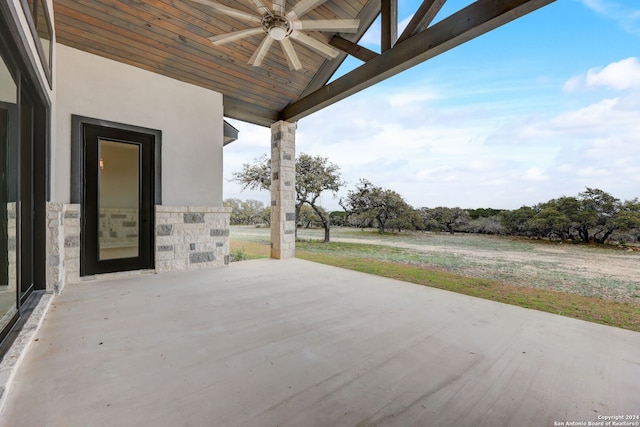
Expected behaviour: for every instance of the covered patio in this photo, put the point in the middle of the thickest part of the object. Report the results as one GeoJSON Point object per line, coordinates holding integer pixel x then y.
{"type": "Point", "coordinates": [294, 343]}
{"type": "Point", "coordinates": [171, 342]}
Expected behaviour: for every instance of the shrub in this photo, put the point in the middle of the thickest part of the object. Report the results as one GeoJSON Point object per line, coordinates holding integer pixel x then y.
{"type": "Point", "coordinates": [238, 255]}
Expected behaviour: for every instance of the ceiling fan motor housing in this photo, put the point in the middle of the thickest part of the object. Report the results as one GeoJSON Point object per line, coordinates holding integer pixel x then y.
{"type": "Point", "coordinates": [277, 26]}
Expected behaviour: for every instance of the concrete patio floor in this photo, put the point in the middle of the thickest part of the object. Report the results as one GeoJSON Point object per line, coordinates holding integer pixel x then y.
{"type": "Point", "coordinates": [293, 343]}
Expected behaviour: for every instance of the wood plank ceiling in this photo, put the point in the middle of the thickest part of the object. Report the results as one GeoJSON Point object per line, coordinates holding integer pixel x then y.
{"type": "Point", "coordinates": [170, 37]}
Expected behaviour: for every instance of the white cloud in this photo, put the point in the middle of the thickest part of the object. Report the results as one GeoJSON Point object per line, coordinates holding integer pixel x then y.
{"type": "Point", "coordinates": [599, 6]}
{"type": "Point", "coordinates": [464, 156]}
{"type": "Point", "coordinates": [535, 174]}
{"type": "Point", "coordinates": [253, 141]}
{"type": "Point", "coordinates": [621, 75]}
{"type": "Point", "coordinates": [627, 17]}
{"type": "Point", "coordinates": [403, 24]}
{"type": "Point", "coordinates": [407, 99]}
{"type": "Point", "coordinates": [437, 146]}
{"type": "Point", "coordinates": [594, 172]}
{"type": "Point", "coordinates": [371, 38]}
{"type": "Point", "coordinates": [574, 84]}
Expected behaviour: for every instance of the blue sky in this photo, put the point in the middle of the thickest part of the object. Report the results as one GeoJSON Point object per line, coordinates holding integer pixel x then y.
{"type": "Point", "coordinates": [540, 108]}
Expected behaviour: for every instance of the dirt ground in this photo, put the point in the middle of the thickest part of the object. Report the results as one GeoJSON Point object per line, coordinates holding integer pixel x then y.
{"type": "Point", "coordinates": [608, 273]}
{"type": "Point", "coordinates": [623, 265]}
{"type": "Point", "coordinates": [586, 270]}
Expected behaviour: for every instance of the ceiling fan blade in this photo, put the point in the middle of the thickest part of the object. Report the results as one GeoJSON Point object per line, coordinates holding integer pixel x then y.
{"type": "Point", "coordinates": [230, 11]}
{"type": "Point", "coordinates": [338, 25]}
{"type": "Point", "coordinates": [261, 51]}
{"type": "Point", "coordinates": [303, 7]}
{"type": "Point", "coordinates": [290, 53]}
{"type": "Point", "coordinates": [262, 8]}
{"type": "Point", "coordinates": [314, 44]}
{"type": "Point", "coordinates": [278, 6]}
{"type": "Point", "coordinates": [235, 35]}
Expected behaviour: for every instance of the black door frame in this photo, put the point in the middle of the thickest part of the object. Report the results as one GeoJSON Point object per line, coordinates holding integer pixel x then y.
{"type": "Point", "coordinates": [86, 132]}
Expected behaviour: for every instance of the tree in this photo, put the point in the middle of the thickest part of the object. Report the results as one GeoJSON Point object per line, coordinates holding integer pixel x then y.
{"type": "Point", "coordinates": [407, 219]}
{"type": "Point", "coordinates": [517, 222]}
{"type": "Point", "coordinates": [236, 208]}
{"type": "Point", "coordinates": [338, 218]}
{"type": "Point", "coordinates": [428, 222]}
{"type": "Point", "coordinates": [569, 207]}
{"type": "Point", "coordinates": [549, 222]}
{"type": "Point", "coordinates": [592, 217]}
{"type": "Point", "coordinates": [483, 213]}
{"type": "Point", "coordinates": [314, 175]}
{"type": "Point", "coordinates": [598, 212]}
{"type": "Point", "coordinates": [369, 201]}
{"type": "Point", "coordinates": [256, 175]}
{"type": "Point", "coordinates": [308, 218]}
{"type": "Point", "coordinates": [487, 225]}
{"type": "Point", "coordinates": [450, 219]}
{"type": "Point", "coordinates": [249, 212]}
{"type": "Point", "coordinates": [628, 219]}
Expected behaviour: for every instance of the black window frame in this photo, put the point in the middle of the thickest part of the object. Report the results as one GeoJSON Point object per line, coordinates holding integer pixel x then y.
{"type": "Point", "coordinates": [31, 10]}
{"type": "Point", "coordinates": [32, 94]}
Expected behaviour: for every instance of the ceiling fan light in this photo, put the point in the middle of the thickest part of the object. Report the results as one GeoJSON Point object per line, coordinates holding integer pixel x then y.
{"type": "Point", "coordinates": [277, 33]}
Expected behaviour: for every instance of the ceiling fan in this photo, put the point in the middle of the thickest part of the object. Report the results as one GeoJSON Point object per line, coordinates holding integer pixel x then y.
{"type": "Point", "coordinates": [279, 25]}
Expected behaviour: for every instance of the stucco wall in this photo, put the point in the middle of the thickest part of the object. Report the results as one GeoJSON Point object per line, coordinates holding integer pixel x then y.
{"type": "Point", "coordinates": [190, 118]}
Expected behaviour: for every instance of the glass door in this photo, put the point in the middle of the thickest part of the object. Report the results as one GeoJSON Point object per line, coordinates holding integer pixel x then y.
{"type": "Point", "coordinates": [27, 206]}
{"type": "Point", "coordinates": [9, 134]}
{"type": "Point", "coordinates": [118, 200]}
{"type": "Point", "coordinates": [24, 181]}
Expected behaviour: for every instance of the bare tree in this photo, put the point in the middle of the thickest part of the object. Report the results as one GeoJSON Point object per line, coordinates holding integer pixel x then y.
{"type": "Point", "coordinates": [314, 175]}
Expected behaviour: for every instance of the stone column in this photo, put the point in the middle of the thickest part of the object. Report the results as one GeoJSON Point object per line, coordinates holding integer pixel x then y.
{"type": "Point", "coordinates": [283, 190]}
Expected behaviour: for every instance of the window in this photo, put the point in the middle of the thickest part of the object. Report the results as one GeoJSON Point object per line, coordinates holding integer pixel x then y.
{"type": "Point", "coordinates": [42, 31]}
{"type": "Point", "coordinates": [24, 151]}
{"type": "Point", "coordinates": [9, 133]}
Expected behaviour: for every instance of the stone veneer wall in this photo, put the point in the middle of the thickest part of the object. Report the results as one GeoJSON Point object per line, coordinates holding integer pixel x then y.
{"type": "Point", "coordinates": [186, 238]}
{"type": "Point", "coordinates": [283, 190]}
{"type": "Point", "coordinates": [191, 237]}
{"type": "Point", "coordinates": [12, 267]}
{"type": "Point", "coordinates": [12, 245]}
{"type": "Point", "coordinates": [63, 245]}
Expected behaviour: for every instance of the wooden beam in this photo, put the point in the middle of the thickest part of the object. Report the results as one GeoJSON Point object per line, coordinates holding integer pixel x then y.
{"type": "Point", "coordinates": [476, 19]}
{"type": "Point", "coordinates": [367, 17]}
{"type": "Point", "coordinates": [389, 23]}
{"type": "Point", "coordinates": [425, 14]}
{"type": "Point", "coordinates": [362, 53]}
{"type": "Point", "coordinates": [248, 112]}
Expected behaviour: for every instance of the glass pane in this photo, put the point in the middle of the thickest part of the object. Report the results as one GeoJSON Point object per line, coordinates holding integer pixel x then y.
{"type": "Point", "coordinates": [43, 27]}
{"type": "Point", "coordinates": [8, 218]}
{"type": "Point", "coordinates": [26, 194]}
{"type": "Point", "coordinates": [119, 199]}
{"type": "Point", "coordinates": [8, 88]}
